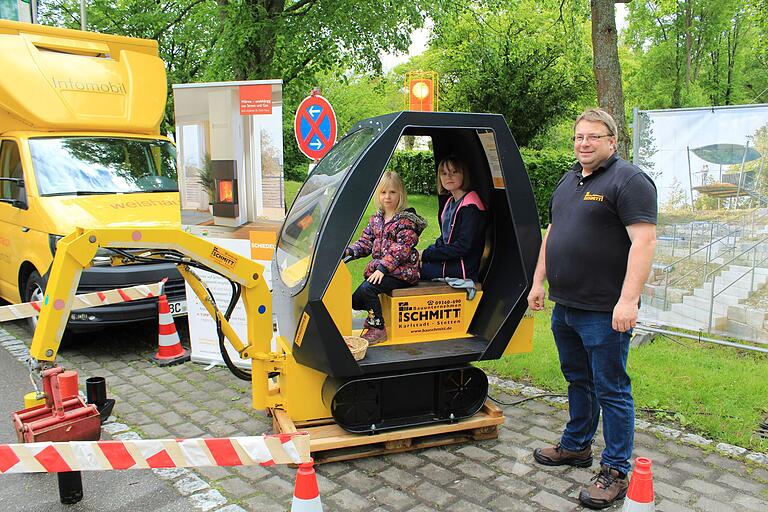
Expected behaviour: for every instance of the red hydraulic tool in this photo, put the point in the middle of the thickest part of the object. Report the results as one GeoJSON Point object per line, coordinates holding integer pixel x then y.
{"type": "Point", "coordinates": [58, 419]}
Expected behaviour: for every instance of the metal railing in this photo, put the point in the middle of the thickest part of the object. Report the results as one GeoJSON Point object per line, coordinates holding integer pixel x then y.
{"type": "Point", "coordinates": [751, 271]}
{"type": "Point", "coordinates": [708, 259]}
{"type": "Point", "coordinates": [737, 229]}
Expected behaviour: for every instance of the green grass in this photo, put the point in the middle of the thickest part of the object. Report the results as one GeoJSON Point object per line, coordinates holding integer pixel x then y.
{"type": "Point", "coordinates": [291, 189]}
{"type": "Point", "coordinates": [717, 392]}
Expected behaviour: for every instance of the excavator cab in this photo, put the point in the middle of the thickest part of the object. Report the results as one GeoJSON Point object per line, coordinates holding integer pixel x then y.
{"type": "Point", "coordinates": [422, 373]}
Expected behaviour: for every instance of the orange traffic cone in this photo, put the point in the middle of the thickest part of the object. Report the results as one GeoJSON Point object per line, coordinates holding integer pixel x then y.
{"type": "Point", "coordinates": [169, 349]}
{"type": "Point", "coordinates": [640, 493]}
{"type": "Point", "coordinates": [306, 496]}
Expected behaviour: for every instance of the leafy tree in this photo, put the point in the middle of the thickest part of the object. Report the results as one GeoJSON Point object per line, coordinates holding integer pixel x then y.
{"type": "Point", "coordinates": [759, 167]}
{"type": "Point", "coordinates": [182, 29]}
{"type": "Point", "coordinates": [361, 96]}
{"type": "Point", "coordinates": [647, 149]}
{"type": "Point", "coordinates": [677, 199]}
{"type": "Point", "coordinates": [517, 58]}
{"type": "Point", "coordinates": [295, 40]}
{"type": "Point", "coordinates": [354, 97]}
{"type": "Point", "coordinates": [694, 53]}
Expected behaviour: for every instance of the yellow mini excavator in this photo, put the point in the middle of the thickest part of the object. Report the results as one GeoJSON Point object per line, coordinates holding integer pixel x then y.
{"type": "Point", "coordinates": [423, 373]}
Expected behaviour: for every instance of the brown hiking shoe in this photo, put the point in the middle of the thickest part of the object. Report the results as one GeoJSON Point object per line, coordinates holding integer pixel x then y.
{"type": "Point", "coordinates": [375, 335]}
{"type": "Point", "coordinates": [607, 486]}
{"type": "Point", "coordinates": [559, 456]}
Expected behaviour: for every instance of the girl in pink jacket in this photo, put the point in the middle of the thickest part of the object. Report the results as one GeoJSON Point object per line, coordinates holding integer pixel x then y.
{"type": "Point", "coordinates": [390, 238]}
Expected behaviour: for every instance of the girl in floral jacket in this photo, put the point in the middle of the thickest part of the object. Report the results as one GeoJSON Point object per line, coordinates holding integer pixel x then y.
{"type": "Point", "coordinates": [390, 238]}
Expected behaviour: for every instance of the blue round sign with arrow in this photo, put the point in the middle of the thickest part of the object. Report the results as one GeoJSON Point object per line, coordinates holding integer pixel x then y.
{"type": "Point", "coordinates": [315, 126]}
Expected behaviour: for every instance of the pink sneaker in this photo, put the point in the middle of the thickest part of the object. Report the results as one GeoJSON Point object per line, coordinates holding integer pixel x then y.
{"type": "Point", "coordinates": [375, 335]}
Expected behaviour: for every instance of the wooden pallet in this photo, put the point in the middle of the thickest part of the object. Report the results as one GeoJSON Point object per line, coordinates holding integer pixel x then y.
{"type": "Point", "coordinates": [331, 443]}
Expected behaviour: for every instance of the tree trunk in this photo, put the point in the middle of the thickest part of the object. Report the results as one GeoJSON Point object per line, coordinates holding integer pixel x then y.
{"type": "Point", "coordinates": [607, 68]}
{"type": "Point", "coordinates": [688, 44]}
{"type": "Point", "coordinates": [256, 59]}
{"type": "Point", "coordinates": [732, 44]}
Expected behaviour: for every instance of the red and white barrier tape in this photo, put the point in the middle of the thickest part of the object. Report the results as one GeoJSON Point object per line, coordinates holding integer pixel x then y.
{"type": "Point", "coordinates": [86, 300]}
{"type": "Point", "coordinates": [58, 457]}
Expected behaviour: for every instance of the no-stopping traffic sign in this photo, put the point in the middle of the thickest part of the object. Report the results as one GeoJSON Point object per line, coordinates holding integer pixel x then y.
{"type": "Point", "coordinates": [315, 126]}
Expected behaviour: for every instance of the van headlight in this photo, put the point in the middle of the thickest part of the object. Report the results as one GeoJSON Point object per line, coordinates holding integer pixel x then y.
{"type": "Point", "coordinates": [103, 258]}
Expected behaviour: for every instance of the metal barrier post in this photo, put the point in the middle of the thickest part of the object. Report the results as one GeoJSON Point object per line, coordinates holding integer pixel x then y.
{"type": "Point", "coordinates": [674, 238]}
{"type": "Point", "coordinates": [70, 487]}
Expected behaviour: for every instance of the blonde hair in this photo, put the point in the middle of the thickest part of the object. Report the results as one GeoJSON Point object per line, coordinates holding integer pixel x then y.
{"type": "Point", "coordinates": [393, 179]}
{"type": "Point", "coordinates": [600, 116]}
{"type": "Point", "coordinates": [451, 162]}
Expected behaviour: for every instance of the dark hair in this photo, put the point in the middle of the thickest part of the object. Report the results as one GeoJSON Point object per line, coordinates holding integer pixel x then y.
{"type": "Point", "coordinates": [454, 163]}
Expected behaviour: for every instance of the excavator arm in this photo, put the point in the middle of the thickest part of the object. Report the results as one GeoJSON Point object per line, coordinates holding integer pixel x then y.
{"type": "Point", "coordinates": [75, 252]}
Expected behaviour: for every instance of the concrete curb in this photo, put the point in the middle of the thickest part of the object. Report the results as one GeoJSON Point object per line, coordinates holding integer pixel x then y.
{"type": "Point", "coordinates": [727, 450]}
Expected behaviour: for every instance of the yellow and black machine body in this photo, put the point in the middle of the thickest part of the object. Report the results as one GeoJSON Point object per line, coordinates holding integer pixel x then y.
{"type": "Point", "coordinates": [422, 373]}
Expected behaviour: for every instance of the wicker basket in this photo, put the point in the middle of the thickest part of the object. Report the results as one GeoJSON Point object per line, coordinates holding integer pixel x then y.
{"type": "Point", "coordinates": [357, 346]}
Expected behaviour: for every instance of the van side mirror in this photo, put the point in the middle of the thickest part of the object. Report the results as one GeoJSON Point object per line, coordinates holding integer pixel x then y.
{"type": "Point", "coordinates": [16, 203]}
{"type": "Point", "coordinates": [19, 182]}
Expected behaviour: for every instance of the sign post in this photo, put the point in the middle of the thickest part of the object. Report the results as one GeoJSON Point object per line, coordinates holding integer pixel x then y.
{"type": "Point", "coordinates": [315, 126]}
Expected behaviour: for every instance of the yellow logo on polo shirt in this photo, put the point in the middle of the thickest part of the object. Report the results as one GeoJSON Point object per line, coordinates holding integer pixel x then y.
{"type": "Point", "coordinates": [592, 197]}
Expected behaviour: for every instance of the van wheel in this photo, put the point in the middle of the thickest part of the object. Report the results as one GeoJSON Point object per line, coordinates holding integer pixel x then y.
{"type": "Point", "coordinates": [34, 290]}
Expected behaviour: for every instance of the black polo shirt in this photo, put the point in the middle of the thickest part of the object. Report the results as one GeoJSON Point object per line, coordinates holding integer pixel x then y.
{"type": "Point", "coordinates": [588, 244]}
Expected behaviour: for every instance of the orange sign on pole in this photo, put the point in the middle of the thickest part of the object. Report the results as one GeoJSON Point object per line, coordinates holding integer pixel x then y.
{"type": "Point", "coordinates": [422, 89]}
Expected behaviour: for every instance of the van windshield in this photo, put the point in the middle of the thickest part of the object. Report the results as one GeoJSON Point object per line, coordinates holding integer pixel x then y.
{"type": "Point", "coordinates": [103, 165]}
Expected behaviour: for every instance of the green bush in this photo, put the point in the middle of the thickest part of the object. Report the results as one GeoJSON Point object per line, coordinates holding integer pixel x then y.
{"type": "Point", "coordinates": [545, 168]}
{"type": "Point", "coordinates": [417, 168]}
{"type": "Point", "coordinates": [297, 172]}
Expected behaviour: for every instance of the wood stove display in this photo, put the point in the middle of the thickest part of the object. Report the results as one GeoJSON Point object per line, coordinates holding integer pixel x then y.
{"type": "Point", "coordinates": [225, 203]}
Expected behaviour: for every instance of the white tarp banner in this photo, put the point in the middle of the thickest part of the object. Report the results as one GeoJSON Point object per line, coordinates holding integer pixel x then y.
{"type": "Point", "coordinates": [710, 166]}
{"type": "Point", "coordinates": [203, 338]}
{"type": "Point", "coordinates": [663, 139]}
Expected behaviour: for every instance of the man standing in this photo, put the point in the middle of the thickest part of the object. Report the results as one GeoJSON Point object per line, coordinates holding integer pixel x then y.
{"type": "Point", "coordinates": [596, 255]}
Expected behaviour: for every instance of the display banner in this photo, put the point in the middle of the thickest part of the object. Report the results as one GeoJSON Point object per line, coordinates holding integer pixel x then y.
{"type": "Point", "coordinates": [255, 99]}
{"type": "Point", "coordinates": [710, 167]}
{"type": "Point", "coordinates": [202, 329]}
{"type": "Point", "coordinates": [670, 145]}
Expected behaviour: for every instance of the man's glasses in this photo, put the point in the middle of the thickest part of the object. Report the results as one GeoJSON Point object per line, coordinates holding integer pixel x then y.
{"type": "Point", "coordinates": [590, 138]}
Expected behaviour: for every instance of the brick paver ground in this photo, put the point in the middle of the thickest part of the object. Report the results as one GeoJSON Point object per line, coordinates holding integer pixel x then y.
{"type": "Point", "coordinates": [690, 473]}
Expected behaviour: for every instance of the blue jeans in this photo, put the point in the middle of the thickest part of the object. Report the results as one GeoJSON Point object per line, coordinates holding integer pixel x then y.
{"type": "Point", "coordinates": [593, 359]}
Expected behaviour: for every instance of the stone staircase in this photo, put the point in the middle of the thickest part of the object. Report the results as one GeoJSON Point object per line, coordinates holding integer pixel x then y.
{"type": "Point", "coordinates": [696, 248]}
{"type": "Point", "coordinates": [729, 316]}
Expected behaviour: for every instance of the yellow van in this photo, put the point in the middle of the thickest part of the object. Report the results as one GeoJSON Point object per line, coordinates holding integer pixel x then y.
{"type": "Point", "coordinates": [80, 146]}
